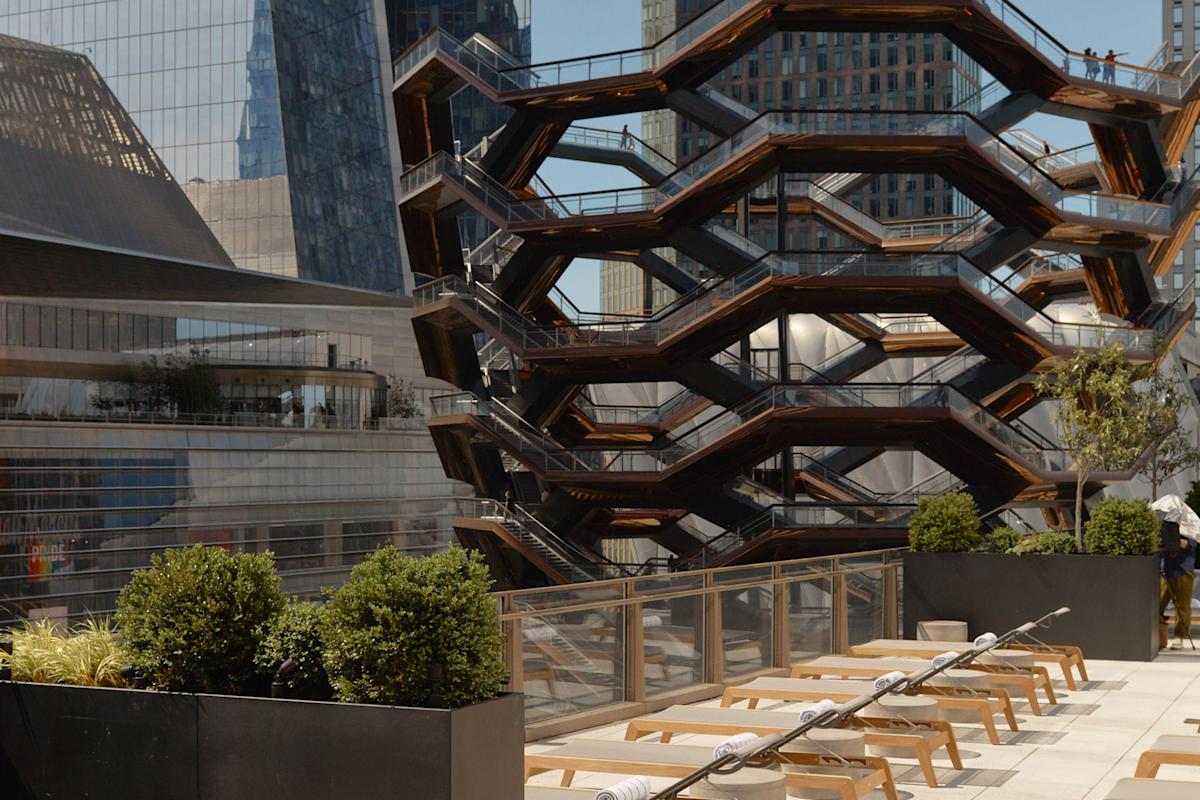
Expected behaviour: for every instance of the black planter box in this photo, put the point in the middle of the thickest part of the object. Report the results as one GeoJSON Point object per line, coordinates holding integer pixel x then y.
{"type": "Point", "coordinates": [1113, 599]}
{"type": "Point", "coordinates": [75, 742]}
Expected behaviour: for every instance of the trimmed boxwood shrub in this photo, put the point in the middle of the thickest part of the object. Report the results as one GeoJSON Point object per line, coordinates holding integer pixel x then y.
{"type": "Point", "coordinates": [194, 620]}
{"type": "Point", "coordinates": [295, 633]}
{"type": "Point", "coordinates": [1001, 540]}
{"type": "Point", "coordinates": [1122, 528]}
{"type": "Point", "coordinates": [398, 616]}
{"type": "Point", "coordinates": [1048, 543]}
{"type": "Point", "coordinates": [945, 524]}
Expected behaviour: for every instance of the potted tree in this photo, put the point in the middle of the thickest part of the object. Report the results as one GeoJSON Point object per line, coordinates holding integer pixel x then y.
{"type": "Point", "coordinates": [389, 690]}
{"type": "Point", "coordinates": [999, 580]}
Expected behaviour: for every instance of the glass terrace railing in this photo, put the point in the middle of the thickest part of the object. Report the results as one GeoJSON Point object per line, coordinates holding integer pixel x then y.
{"type": "Point", "coordinates": [542, 450]}
{"type": "Point", "coordinates": [603, 139]}
{"type": "Point", "coordinates": [1108, 208]}
{"type": "Point", "coordinates": [710, 296]}
{"type": "Point", "coordinates": [497, 72]}
{"type": "Point", "coordinates": [638, 60]}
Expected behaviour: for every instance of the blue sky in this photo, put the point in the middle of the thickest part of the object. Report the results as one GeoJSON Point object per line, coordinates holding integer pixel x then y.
{"type": "Point", "coordinates": [570, 28]}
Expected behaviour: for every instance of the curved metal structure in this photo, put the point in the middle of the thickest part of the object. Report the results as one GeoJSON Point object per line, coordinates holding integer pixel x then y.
{"type": "Point", "coordinates": [719, 472]}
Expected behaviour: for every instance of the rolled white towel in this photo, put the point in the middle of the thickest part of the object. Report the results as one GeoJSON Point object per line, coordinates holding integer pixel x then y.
{"type": "Point", "coordinates": [636, 788]}
{"type": "Point", "coordinates": [651, 621]}
{"type": "Point", "coordinates": [816, 710]}
{"type": "Point", "coordinates": [884, 681]}
{"type": "Point", "coordinates": [733, 744]}
{"type": "Point", "coordinates": [984, 639]}
{"type": "Point", "coordinates": [945, 658]}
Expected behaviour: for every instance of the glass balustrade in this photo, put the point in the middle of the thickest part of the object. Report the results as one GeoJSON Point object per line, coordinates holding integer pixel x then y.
{"type": "Point", "coordinates": [572, 648]}
{"type": "Point", "coordinates": [1112, 209]}
{"type": "Point", "coordinates": [497, 71]}
{"type": "Point", "coordinates": [710, 296]}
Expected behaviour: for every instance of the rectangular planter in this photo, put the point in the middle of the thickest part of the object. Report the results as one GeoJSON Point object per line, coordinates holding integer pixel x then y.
{"type": "Point", "coordinates": [68, 741]}
{"type": "Point", "coordinates": [1113, 599]}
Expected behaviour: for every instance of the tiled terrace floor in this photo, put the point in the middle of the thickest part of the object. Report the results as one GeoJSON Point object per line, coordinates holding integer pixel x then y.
{"type": "Point", "coordinates": [1076, 751]}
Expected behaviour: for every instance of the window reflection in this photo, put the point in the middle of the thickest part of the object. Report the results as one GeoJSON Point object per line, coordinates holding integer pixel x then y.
{"type": "Point", "coordinates": [212, 89]}
{"type": "Point", "coordinates": [28, 325]}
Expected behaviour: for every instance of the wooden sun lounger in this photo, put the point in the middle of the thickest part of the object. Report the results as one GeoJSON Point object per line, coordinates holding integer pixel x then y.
{"type": "Point", "coordinates": [858, 775]}
{"type": "Point", "coordinates": [802, 689]}
{"type": "Point", "coordinates": [1065, 656]}
{"type": "Point", "coordinates": [1027, 680]}
{"type": "Point", "coordinates": [997, 698]}
{"type": "Point", "coordinates": [1151, 789]}
{"type": "Point", "coordinates": [923, 738]}
{"type": "Point", "coordinates": [1182, 749]}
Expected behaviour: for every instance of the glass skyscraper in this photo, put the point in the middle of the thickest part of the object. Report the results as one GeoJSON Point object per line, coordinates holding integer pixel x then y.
{"type": "Point", "coordinates": [272, 114]}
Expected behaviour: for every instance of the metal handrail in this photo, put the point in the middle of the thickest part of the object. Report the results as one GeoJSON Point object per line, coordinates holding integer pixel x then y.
{"type": "Point", "coordinates": [1112, 208]}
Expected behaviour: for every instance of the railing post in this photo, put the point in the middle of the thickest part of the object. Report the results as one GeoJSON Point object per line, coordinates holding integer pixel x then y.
{"type": "Point", "coordinates": [841, 609]}
{"type": "Point", "coordinates": [891, 604]}
{"type": "Point", "coordinates": [635, 650]}
{"type": "Point", "coordinates": [782, 632]}
{"type": "Point", "coordinates": [714, 643]}
{"type": "Point", "coordinates": [514, 651]}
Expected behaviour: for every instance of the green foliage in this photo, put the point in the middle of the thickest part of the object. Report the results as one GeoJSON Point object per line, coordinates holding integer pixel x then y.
{"type": "Point", "coordinates": [946, 524]}
{"type": "Point", "coordinates": [1164, 398]}
{"type": "Point", "coordinates": [91, 655]}
{"type": "Point", "coordinates": [1101, 419]}
{"type": "Point", "coordinates": [1122, 528]}
{"type": "Point", "coordinates": [295, 633]}
{"type": "Point", "coordinates": [1001, 540]}
{"type": "Point", "coordinates": [398, 616]}
{"type": "Point", "coordinates": [194, 620]}
{"type": "Point", "coordinates": [1047, 543]}
{"type": "Point", "coordinates": [1193, 497]}
{"type": "Point", "coordinates": [402, 398]}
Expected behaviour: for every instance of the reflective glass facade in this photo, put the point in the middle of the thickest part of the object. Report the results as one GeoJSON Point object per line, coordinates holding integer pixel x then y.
{"type": "Point", "coordinates": [143, 335]}
{"type": "Point", "coordinates": [63, 129]}
{"type": "Point", "coordinates": [83, 504]}
{"type": "Point", "coordinates": [270, 113]}
{"type": "Point", "coordinates": [277, 365]}
{"type": "Point", "coordinates": [300, 462]}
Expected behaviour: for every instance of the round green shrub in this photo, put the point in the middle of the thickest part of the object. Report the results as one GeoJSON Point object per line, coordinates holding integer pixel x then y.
{"type": "Point", "coordinates": [295, 633]}
{"type": "Point", "coordinates": [398, 616]}
{"type": "Point", "coordinates": [1048, 543]}
{"type": "Point", "coordinates": [1001, 540]}
{"type": "Point", "coordinates": [1122, 528]}
{"type": "Point", "coordinates": [945, 524]}
{"type": "Point", "coordinates": [193, 621]}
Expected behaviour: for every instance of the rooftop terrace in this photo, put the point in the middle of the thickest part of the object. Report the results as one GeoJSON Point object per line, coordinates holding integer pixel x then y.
{"type": "Point", "coordinates": [1077, 750]}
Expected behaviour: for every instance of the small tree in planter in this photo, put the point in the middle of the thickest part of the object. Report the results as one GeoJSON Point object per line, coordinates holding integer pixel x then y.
{"type": "Point", "coordinates": [946, 524]}
{"type": "Point", "coordinates": [1100, 418]}
{"type": "Point", "coordinates": [415, 632]}
{"type": "Point", "coordinates": [194, 620]}
{"type": "Point", "coordinates": [1123, 528]}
